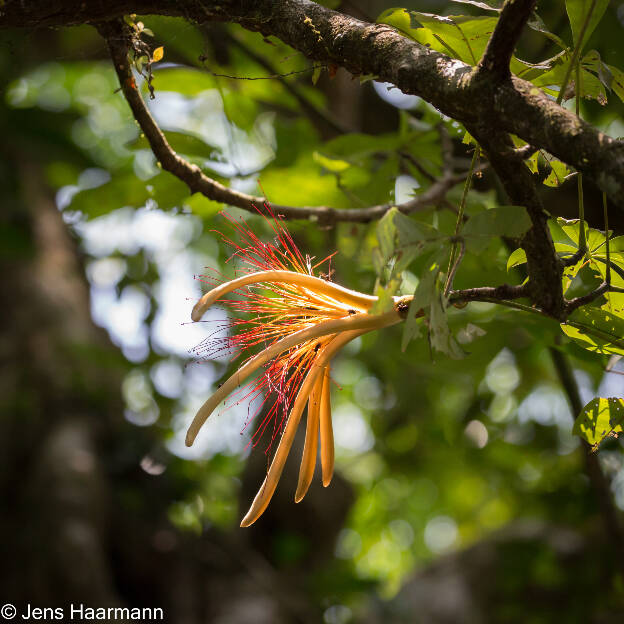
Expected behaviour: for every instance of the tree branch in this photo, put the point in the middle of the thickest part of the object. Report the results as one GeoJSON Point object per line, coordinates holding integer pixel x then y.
{"type": "Point", "coordinates": [504, 291]}
{"type": "Point", "coordinates": [543, 265]}
{"type": "Point", "coordinates": [119, 39]}
{"type": "Point", "coordinates": [515, 106]}
{"type": "Point", "coordinates": [502, 43]}
{"type": "Point", "coordinates": [577, 302]}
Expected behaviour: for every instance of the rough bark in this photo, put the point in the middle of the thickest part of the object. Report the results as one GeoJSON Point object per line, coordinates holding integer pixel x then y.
{"type": "Point", "coordinates": [323, 35]}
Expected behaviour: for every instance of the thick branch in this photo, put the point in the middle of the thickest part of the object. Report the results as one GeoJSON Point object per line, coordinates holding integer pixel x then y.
{"type": "Point", "coordinates": [324, 35]}
{"type": "Point", "coordinates": [502, 43]}
{"type": "Point", "coordinates": [119, 39]}
{"type": "Point", "coordinates": [543, 265]}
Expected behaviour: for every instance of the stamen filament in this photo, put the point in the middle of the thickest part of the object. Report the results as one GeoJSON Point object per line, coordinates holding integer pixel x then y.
{"type": "Point", "coordinates": [350, 297]}
{"type": "Point", "coordinates": [365, 322]}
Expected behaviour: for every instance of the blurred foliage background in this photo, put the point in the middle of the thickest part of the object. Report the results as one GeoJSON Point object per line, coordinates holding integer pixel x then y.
{"type": "Point", "coordinates": [461, 494]}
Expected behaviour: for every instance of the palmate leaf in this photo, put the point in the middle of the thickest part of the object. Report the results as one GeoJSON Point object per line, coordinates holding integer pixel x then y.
{"type": "Point", "coordinates": [558, 174]}
{"type": "Point", "coordinates": [594, 63]}
{"type": "Point", "coordinates": [597, 330]}
{"type": "Point", "coordinates": [617, 82]}
{"type": "Point", "coordinates": [551, 81]}
{"type": "Point", "coordinates": [596, 254]}
{"type": "Point", "coordinates": [463, 37]}
{"type": "Point", "coordinates": [601, 418]}
{"type": "Point", "coordinates": [578, 11]}
{"type": "Point", "coordinates": [536, 23]}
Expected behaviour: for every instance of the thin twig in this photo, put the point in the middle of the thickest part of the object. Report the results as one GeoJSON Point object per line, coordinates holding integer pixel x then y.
{"type": "Point", "coordinates": [581, 203]}
{"type": "Point", "coordinates": [452, 267]}
{"type": "Point", "coordinates": [606, 225]}
{"type": "Point", "coordinates": [316, 114]}
{"type": "Point", "coordinates": [119, 41]}
{"type": "Point", "coordinates": [456, 263]}
{"type": "Point", "coordinates": [577, 302]}
{"type": "Point", "coordinates": [574, 258]}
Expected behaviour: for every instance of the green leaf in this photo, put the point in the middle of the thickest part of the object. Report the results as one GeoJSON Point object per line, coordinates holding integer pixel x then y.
{"type": "Point", "coordinates": [386, 235]}
{"type": "Point", "coordinates": [488, 5]}
{"type": "Point", "coordinates": [439, 333]}
{"type": "Point", "coordinates": [423, 296]}
{"type": "Point", "coordinates": [617, 82]}
{"type": "Point", "coordinates": [385, 296]}
{"type": "Point", "coordinates": [578, 12]}
{"type": "Point", "coordinates": [592, 62]}
{"type": "Point", "coordinates": [536, 23]}
{"type": "Point", "coordinates": [601, 418]}
{"type": "Point", "coordinates": [405, 238]}
{"type": "Point", "coordinates": [399, 18]}
{"type": "Point", "coordinates": [316, 74]}
{"type": "Point", "coordinates": [185, 144]}
{"type": "Point", "coordinates": [552, 80]}
{"type": "Point", "coordinates": [559, 171]}
{"type": "Point", "coordinates": [183, 80]}
{"type": "Point", "coordinates": [334, 165]}
{"type": "Point", "coordinates": [570, 228]}
{"type": "Point", "coordinates": [167, 192]}
{"type": "Point", "coordinates": [512, 221]}
{"type": "Point", "coordinates": [460, 36]}
{"type": "Point", "coordinates": [516, 258]}
{"type": "Point", "coordinates": [356, 144]}
{"type": "Point", "coordinates": [596, 330]}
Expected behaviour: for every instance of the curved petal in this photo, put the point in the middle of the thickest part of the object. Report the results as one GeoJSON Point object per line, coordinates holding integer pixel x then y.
{"type": "Point", "coordinates": [327, 431]}
{"type": "Point", "coordinates": [266, 491]}
{"type": "Point", "coordinates": [353, 298]}
{"type": "Point", "coordinates": [308, 459]}
{"type": "Point", "coordinates": [365, 322]}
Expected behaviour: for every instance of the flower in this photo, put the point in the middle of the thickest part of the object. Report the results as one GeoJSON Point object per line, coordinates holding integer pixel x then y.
{"type": "Point", "coordinates": [299, 321]}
